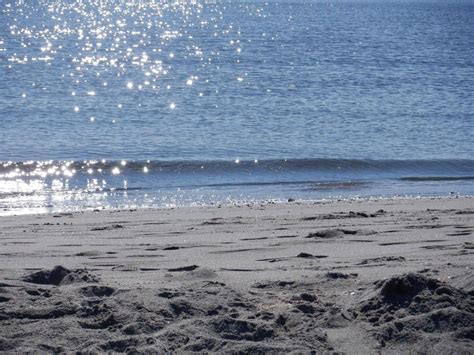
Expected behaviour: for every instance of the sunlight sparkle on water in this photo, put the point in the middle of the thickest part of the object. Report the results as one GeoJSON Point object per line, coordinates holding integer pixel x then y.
{"type": "Point", "coordinates": [136, 56]}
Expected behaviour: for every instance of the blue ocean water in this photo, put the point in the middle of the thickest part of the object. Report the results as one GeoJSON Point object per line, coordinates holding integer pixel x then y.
{"type": "Point", "coordinates": [162, 103]}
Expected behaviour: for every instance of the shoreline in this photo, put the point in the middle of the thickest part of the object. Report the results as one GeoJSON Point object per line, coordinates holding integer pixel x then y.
{"type": "Point", "coordinates": [279, 277]}
{"type": "Point", "coordinates": [238, 203]}
{"type": "Point", "coordinates": [55, 186]}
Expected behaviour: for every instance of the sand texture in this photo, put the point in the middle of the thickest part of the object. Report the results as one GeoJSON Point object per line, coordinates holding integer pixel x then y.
{"type": "Point", "coordinates": [355, 277]}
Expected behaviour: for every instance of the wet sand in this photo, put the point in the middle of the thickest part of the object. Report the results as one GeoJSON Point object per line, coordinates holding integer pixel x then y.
{"type": "Point", "coordinates": [358, 277]}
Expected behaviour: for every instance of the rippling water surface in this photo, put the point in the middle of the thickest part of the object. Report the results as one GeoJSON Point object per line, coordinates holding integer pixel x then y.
{"type": "Point", "coordinates": [154, 103]}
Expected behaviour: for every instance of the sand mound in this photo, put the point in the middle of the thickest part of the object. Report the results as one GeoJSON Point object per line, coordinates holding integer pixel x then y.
{"type": "Point", "coordinates": [331, 233]}
{"type": "Point", "coordinates": [413, 308]}
{"type": "Point", "coordinates": [59, 275]}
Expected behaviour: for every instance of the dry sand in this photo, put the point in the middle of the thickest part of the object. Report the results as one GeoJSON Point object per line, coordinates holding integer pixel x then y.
{"type": "Point", "coordinates": [360, 277]}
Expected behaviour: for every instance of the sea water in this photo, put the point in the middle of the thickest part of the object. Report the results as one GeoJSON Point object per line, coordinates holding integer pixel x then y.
{"type": "Point", "coordinates": [147, 103]}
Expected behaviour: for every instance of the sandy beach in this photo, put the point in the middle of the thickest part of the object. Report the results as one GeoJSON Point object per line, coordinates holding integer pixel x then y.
{"type": "Point", "coordinates": [237, 177]}
{"type": "Point", "coordinates": [357, 277]}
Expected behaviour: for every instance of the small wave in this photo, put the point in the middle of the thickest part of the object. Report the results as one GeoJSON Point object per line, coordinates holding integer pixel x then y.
{"type": "Point", "coordinates": [91, 167]}
{"type": "Point", "coordinates": [339, 185]}
{"type": "Point", "coordinates": [311, 184]}
{"type": "Point", "coordinates": [254, 183]}
{"type": "Point", "coordinates": [118, 189]}
{"type": "Point", "coordinates": [436, 178]}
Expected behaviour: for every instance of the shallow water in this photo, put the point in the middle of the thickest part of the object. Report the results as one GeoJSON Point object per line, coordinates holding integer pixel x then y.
{"type": "Point", "coordinates": [198, 102]}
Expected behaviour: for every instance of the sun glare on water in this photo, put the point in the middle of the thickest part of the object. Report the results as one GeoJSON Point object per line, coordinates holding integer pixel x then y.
{"type": "Point", "coordinates": [102, 64]}
{"type": "Point", "coordinates": [98, 45]}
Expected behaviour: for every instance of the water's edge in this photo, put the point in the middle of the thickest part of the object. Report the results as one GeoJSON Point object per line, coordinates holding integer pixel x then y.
{"type": "Point", "coordinates": [60, 186]}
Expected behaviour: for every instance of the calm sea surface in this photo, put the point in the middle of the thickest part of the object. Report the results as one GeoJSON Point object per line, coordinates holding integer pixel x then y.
{"type": "Point", "coordinates": [162, 103]}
